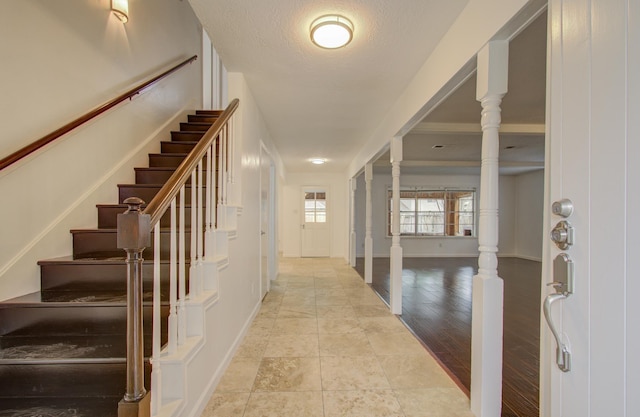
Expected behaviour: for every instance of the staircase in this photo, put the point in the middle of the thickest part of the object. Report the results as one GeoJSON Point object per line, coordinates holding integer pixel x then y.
{"type": "Point", "coordinates": [63, 349]}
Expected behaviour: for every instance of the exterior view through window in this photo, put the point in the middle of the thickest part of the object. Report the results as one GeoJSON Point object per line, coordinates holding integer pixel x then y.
{"type": "Point", "coordinates": [315, 207]}
{"type": "Point", "coordinates": [434, 212]}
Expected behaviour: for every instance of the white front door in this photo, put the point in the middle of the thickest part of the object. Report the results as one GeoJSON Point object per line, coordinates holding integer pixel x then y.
{"type": "Point", "coordinates": [593, 150]}
{"type": "Point", "coordinates": [315, 227]}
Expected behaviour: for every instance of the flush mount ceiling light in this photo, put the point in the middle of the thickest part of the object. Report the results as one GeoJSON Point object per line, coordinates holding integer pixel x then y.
{"type": "Point", "coordinates": [331, 31]}
{"type": "Point", "coordinates": [318, 161]}
{"type": "Point", "coordinates": [120, 8]}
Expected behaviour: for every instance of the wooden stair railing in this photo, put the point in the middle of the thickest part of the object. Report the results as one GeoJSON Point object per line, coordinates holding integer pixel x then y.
{"type": "Point", "coordinates": [208, 166]}
{"type": "Point", "coordinates": [43, 141]}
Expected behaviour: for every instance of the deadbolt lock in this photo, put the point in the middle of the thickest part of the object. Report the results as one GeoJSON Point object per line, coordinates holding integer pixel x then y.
{"type": "Point", "coordinates": [562, 235]}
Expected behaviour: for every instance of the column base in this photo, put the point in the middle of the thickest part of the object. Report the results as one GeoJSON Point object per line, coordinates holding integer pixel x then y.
{"type": "Point", "coordinates": [140, 408]}
{"type": "Point", "coordinates": [486, 346]}
{"type": "Point", "coordinates": [395, 285]}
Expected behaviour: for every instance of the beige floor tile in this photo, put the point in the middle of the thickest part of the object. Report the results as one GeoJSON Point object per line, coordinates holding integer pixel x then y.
{"type": "Point", "coordinates": [391, 344]}
{"type": "Point", "coordinates": [230, 404]}
{"type": "Point", "coordinates": [285, 404]}
{"type": "Point", "coordinates": [253, 346]}
{"type": "Point", "coordinates": [366, 403]}
{"type": "Point", "coordinates": [268, 311]}
{"type": "Point", "coordinates": [318, 308]}
{"type": "Point", "coordinates": [288, 374]}
{"type": "Point", "coordinates": [365, 310]}
{"type": "Point", "coordinates": [421, 371]}
{"type": "Point", "coordinates": [298, 300]}
{"type": "Point", "coordinates": [295, 325]}
{"type": "Point", "coordinates": [335, 312]}
{"type": "Point", "coordinates": [434, 402]}
{"type": "Point", "coordinates": [292, 345]}
{"type": "Point", "coordinates": [352, 344]}
{"type": "Point", "coordinates": [297, 311]}
{"type": "Point", "coordinates": [261, 326]}
{"type": "Point", "coordinates": [327, 282]}
{"type": "Point", "coordinates": [389, 324]}
{"type": "Point", "coordinates": [301, 284]}
{"type": "Point", "coordinates": [239, 376]}
{"type": "Point", "coordinates": [336, 326]}
{"type": "Point", "coordinates": [352, 373]}
{"type": "Point", "coordinates": [332, 300]}
{"type": "Point", "coordinates": [301, 291]}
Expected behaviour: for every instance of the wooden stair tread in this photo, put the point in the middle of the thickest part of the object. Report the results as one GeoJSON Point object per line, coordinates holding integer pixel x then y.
{"type": "Point", "coordinates": [71, 299]}
{"type": "Point", "coordinates": [70, 406]}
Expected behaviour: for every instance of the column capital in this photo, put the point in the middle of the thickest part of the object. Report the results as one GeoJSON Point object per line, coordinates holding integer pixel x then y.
{"type": "Point", "coordinates": [492, 69]}
{"type": "Point", "coordinates": [396, 149]}
{"type": "Point", "coordinates": [368, 172]}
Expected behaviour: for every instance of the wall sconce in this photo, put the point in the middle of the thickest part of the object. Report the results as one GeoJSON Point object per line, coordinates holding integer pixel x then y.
{"type": "Point", "coordinates": [120, 8]}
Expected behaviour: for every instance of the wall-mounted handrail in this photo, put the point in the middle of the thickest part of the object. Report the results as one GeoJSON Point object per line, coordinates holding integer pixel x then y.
{"type": "Point", "coordinates": [34, 146]}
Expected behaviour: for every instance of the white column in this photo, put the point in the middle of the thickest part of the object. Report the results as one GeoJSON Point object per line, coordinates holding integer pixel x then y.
{"type": "Point", "coordinates": [486, 330]}
{"type": "Point", "coordinates": [352, 239]}
{"type": "Point", "coordinates": [368, 240]}
{"type": "Point", "coordinates": [395, 287]}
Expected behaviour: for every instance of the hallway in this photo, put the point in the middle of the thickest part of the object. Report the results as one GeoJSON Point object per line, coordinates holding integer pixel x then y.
{"type": "Point", "coordinates": [323, 345]}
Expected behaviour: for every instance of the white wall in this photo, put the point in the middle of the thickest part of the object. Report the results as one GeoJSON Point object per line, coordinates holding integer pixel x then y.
{"type": "Point", "coordinates": [520, 202]}
{"type": "Point", "coordinates": [529, 212]}
{"type": "Point", "coordinates": [59, 60]}
{"type": "Point", "coordinates": [338, 195]}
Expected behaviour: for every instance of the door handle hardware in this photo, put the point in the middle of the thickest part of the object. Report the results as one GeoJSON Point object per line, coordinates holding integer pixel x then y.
{"type": "Point", "coordinates": [562, 234]}
{"type": "Point", "coordinates": [563, 356]}
{"type": "Point", "coordinates": [563, 275]}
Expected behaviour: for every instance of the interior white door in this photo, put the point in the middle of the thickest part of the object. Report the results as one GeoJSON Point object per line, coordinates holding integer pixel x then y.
{"type": "Point", "coordinates": [593, 124]}
{"type": "Point", "coordinates": [315, 227]}
{"type": "Point", "coordinates": [265, 223]}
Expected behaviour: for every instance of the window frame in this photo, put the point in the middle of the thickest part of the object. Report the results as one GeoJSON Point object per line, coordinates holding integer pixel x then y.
{"type": "Point", "coordinates": [451, 217]}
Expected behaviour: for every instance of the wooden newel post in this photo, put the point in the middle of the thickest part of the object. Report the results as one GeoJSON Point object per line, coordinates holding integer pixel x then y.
{"type": "Point", "coordinates": [134, 235]}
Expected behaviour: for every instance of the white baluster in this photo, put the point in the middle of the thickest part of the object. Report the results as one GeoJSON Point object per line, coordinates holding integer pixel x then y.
{"type": "Point", "coordinates": [208, 193]}
{"type": "Point", "coordinates": [212, 180]}
{"type": "Point", "coordinates": [156, 375]}
{"type": "Point", "coordinates": [193, 268]}
{"type": "Point", "coordinates": [223, 166]}
{"type": "Point", "coordinates": [182, 273]}
{"type": "Point", "coordinates": [173, 281]}
{"type": "Point", "coordinates": [200, 228]}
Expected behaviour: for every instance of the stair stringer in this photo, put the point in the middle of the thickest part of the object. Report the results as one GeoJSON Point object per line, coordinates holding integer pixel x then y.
{"type": "Point", "coordinates": [192, 380]}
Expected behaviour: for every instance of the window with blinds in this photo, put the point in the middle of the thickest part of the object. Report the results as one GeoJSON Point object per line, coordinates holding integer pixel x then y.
{"type": "Point", "coordinates": [435, 212]}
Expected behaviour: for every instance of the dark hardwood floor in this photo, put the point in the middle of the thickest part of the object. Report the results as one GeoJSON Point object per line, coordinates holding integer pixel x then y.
{"type": "Point", "coordinates": [436, 306]}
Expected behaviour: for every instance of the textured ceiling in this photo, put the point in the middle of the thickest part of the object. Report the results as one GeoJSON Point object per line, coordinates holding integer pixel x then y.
{"type": "Point", "coordinates": [316, 102]}
{"type": "Point", "coordinates": [523, 110]}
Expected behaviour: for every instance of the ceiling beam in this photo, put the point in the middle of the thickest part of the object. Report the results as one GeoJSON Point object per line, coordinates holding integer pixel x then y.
{"type": "Point", "coordinates": [474, 128]}
{"type": "Point", "coordinates": [503, 164]}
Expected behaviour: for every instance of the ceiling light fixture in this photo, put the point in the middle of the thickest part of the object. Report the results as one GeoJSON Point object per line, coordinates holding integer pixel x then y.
{"type": "Point", "coordinates": [318, 161]}
{"type": "Point", "coordinates": [331, 31]}
{"type": "Point", "coordinates": [120, 8]}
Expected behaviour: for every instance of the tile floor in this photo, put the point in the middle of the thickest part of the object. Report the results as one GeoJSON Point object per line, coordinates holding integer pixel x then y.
{"type": "Point", "coordinates": [325, 345]}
